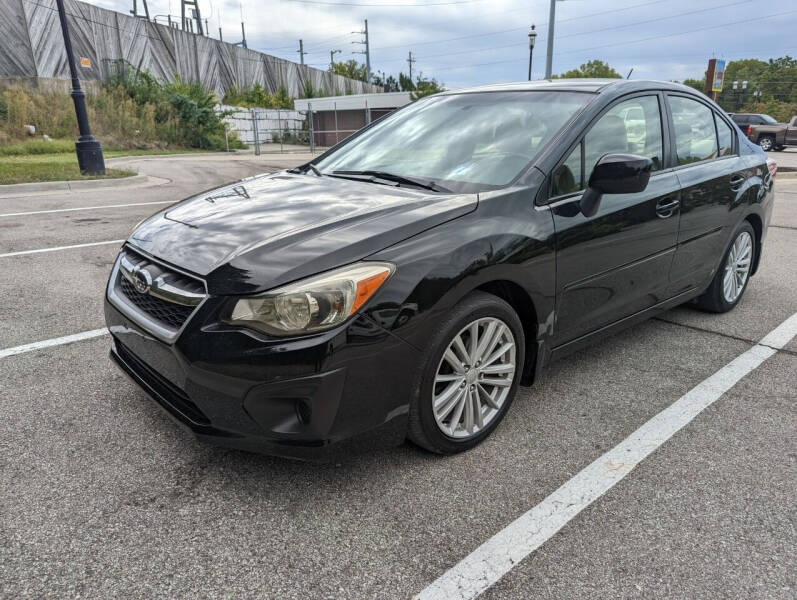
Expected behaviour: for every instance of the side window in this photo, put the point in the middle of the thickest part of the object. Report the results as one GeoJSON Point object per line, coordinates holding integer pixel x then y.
{"type": "Point", "coordinates": [695, 133]}
{"type": "Point", "coordinates": [567, 177]}
{"type": "Point", "coordinates": [725, 136]}
{"type": "Point", "coordinates": [630, 127]}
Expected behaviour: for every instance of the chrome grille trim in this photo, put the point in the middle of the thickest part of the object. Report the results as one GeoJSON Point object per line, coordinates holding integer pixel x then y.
{"type": "Point", "coordinates": [164, 284]}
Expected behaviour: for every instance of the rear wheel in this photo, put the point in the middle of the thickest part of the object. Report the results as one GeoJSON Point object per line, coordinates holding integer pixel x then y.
{"type": "Point", "coordinates": [767, 142]}
{"type": "Point", "coordinates": [469, 375]}
{"type": "Point", "coordinates": [731, 279]}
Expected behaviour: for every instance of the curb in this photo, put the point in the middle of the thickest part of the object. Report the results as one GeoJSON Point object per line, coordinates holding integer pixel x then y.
{"type": "Point", "coordinates": [17, 189]}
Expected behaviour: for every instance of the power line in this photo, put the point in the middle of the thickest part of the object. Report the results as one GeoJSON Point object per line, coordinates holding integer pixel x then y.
{"type": "Point", "coordinates": [524, 27]}
{"type": "Point", "coordinates": [518, 44]}
{"type": "Point", "coordinates": [392, 5]}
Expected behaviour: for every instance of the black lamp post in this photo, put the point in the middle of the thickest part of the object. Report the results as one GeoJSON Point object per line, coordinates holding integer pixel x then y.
{"type": "Point", "coordinates": [89, 151]}
{"type": "Point", "coordinates": [532, 39]}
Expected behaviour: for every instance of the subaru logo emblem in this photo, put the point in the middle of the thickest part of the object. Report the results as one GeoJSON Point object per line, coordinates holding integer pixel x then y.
{"type": "Point", "coordinates": [141, 279]}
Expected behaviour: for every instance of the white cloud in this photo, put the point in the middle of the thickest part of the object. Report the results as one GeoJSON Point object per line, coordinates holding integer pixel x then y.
{"type": "Point", "coordinates": [611, 34]}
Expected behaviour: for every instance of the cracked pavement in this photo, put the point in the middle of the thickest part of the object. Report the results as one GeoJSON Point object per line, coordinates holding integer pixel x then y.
{"type": "Point", "coordinates": [103, 496]}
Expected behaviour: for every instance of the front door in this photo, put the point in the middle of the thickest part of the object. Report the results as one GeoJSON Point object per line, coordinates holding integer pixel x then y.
{"type": "Point", "coordinates": [615, 263]}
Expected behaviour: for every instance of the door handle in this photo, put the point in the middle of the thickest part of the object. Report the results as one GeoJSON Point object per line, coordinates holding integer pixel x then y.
{"type": "Point", "coordinates": [737, 181]}
{"type": "Point", "coordinates": [667, 207]}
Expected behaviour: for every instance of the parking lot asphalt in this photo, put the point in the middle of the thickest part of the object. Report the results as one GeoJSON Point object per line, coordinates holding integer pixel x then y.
{"type": "Point", "coordinates": [103, 496]}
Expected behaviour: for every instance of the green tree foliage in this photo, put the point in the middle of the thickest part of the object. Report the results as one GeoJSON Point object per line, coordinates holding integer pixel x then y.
{"type": "Point", "coordinates": [183, 112]}
{"type": "Point", "coordinates": [775, 79]}
{"type": "Point", "coordinates": [698, 84]}
{"type": "Point", "coordinates": [425, 87]}
{"type": "Point", "coordinates": [592, 69]}
{"type": "Point", "coordinates": [256, 95]}
{"type": "Point", "coordinates": [350, 68]}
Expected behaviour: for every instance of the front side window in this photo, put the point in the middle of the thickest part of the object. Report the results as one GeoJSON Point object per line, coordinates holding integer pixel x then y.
{"type": "Point", "coordinates": [695, 133]}
{"type": "Point", "coordinates": [630, 127]}
{"type": "Point", "coordinates": [464, 142]}
{"type": "Point", "coordinates": [725, 136]}
{"type": "Point", "coordinates": [567, 177]}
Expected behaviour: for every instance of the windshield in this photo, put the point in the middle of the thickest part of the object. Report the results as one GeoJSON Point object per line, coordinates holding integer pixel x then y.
{"type": "Point", "coordinates": [768, 119]}
{"type": "Point", "coordinates": [463, 142]}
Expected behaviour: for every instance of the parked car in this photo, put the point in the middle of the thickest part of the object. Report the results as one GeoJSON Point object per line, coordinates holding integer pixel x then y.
{"type": "Point", "coordinates": [406, 282]}
{"type": "Point", "coordinates": [774, 136]}
{"type": "Point", "coordinates": [745, 119]}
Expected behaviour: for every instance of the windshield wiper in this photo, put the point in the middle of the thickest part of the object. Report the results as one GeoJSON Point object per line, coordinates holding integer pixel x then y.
{"type": "Point", "coordinates": [305, 168]}
{"type": "Point", "coordinates": [369, 175]}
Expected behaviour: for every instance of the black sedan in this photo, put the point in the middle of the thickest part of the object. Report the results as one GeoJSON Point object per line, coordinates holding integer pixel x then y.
{"type": "Point", "coordinates": [404, 283]}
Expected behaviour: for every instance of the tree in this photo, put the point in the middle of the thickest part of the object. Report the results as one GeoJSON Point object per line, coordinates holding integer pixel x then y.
{"type": "Point", "coordinates": [425, 87]}
{"type": "Point", "coordinates": [774, 80]}
{"type": "Point", "coordinates": [592, 69]}
{"type": "Point", "coordinates": [698, 84]}
{"type": "Point", "coordinates": [350, 68]}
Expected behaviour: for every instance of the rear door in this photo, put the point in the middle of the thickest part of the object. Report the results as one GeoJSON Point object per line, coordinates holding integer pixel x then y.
{"type": "Point", "coordinates": [713, 182]}
{"type": "Point", "coordinates": [615, 263]}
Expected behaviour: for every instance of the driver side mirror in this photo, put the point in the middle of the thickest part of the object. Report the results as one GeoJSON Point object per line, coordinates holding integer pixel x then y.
{"type": "Point", "coordinates": [615, 174]}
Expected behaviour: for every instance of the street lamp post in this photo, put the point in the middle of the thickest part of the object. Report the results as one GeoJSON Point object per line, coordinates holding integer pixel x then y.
{"type": "Point", "coordinates": [532, 39]}
{"type": "Point", "coordinates": [549, 57]}
{"type": "Point", "coordinates": [89, 152]}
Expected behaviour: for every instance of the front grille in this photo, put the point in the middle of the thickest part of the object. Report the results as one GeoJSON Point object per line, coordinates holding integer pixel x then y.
{"type": "Point", "coordinates": [158, 307]}
{"type": "Point", "coordinates": [169, 394]}
{"type": "Point", "coordinates": [169, 313]}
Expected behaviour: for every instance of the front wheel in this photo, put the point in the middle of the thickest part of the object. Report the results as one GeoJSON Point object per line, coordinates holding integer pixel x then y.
{"type": "Point", "coordinates": [469, 375]}
{"type": "Point", "coordinates": [767, 142]}
{"type": "Point", "coordinates": [731, 279]}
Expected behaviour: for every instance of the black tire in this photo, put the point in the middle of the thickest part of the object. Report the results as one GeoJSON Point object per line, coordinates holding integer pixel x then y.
{"type": "Point", "coordinates": [423, 429]}
{"type": "Point", "coordinates": [713, 299]}
{"type": "Point", "coordinates": [767, 142]}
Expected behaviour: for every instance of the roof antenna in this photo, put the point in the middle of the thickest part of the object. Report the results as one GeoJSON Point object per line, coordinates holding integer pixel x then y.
{"type": "Point", "coordinates": [629, 73]}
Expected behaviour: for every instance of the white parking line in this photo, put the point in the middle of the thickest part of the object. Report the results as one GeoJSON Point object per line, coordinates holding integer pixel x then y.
{"type": "Point", "coordinates": [37, 251]}
{"type": "Point", "coordinates": [498, 555]}
{"type": "Point", "coordinates": [67, 339]}
{"type": "Point", "coordinates": [61, 210]}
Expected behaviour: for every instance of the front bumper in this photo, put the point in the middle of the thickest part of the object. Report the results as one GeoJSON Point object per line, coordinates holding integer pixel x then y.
{"type": "Point", "coordinates": [311, 398]}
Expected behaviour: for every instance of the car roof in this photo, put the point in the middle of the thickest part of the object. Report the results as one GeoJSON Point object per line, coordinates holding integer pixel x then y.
{"type": "Point", "coordinates": [578, 85]}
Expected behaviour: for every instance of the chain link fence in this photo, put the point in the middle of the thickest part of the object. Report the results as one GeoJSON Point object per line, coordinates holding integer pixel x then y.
{"type": "Point", "coordinates": [274, 130]}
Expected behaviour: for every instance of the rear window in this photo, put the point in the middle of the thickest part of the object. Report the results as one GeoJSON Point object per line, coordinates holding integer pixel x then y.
{"type": "Point", "coordinates": [695, 131]}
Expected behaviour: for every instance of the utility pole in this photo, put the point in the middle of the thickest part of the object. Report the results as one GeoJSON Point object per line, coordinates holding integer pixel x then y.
{"type": "Point", "coordinates": [367, 51]}
{"type": "Point", "coordinates": [411, 60]}
{"type": "Point", "coordinates": [194, 5]}
{"type": "Point", "coordinates": [549, 57]}
{"type": "Point", "coordinates": [88, 150]}
{"type": "Point", "coordinates": [242, 43]}
{"type": "Point", "coordinates": [532, 40]}
{"type": "Point", "coordinates": [134, 12]}
{"type": "Point", "coordinates": [301, 52]}
{"type": "Point", "coordinates": [332, 54]}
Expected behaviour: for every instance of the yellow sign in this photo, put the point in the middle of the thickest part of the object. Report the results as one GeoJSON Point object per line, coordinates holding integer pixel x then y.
{"type": "Point", "coordinates": [85, 62]}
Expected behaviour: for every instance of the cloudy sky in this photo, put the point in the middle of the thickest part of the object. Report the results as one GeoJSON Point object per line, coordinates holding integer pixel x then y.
{"type": "Point", "coordinates": [467, 42]}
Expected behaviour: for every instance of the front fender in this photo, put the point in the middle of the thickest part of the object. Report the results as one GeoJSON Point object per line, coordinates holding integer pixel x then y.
{"type": "Point", "coordinates": [506, 239]}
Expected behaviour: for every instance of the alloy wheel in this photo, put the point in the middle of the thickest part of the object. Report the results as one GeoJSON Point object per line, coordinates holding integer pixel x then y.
{"type": "Point", "coordinates": [474, 377]}
{"type": "Point", "coordinates": [737, 267]}
{"type": "Point", "coordinates": [765, 143]}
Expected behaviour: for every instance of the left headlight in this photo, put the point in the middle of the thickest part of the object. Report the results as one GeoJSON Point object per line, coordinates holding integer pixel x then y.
{"type": "Point", "coordinates": [313, 304]}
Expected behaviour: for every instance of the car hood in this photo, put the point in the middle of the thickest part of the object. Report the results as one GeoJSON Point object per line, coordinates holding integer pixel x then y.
{"type": "Point", "coordinates": [268, 230]}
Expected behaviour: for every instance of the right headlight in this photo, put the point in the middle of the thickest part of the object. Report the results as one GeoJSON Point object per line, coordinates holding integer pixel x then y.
{"type": "Point", "coordinates": [314, 304]}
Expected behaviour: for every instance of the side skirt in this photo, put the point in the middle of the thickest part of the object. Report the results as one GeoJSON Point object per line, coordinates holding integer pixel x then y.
{"type": "Point", "coordinates": [618, 326]}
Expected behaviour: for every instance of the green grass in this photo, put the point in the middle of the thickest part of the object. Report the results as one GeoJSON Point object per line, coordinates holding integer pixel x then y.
{"type": "Point", "coordinates": [34, 166]}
